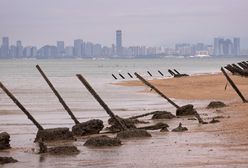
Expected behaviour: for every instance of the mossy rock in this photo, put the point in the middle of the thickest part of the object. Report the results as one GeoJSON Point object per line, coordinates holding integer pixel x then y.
{"type": "Point", "coordinates": [102, 141]}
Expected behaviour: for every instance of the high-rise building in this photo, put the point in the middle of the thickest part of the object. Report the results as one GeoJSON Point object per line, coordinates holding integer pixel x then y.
{"type": "Point", "coordinates": [5, 47]}
{"type": "Point", "coordinates": [119, 42]}
{"type": "Point", "coordinates": [60, 48]}
{"type": "Point", "coordinates": [236, 46]}
{"type": "Point", "coordinates": [69, 51]}
{"type": "Point", "coordinates": [78, 48]}
{"type": "Point", "coordinates": [19, 49]}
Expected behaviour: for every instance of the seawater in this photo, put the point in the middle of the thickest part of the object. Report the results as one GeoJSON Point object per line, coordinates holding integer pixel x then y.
{"type": "Point", "coordinates": [24, 81]}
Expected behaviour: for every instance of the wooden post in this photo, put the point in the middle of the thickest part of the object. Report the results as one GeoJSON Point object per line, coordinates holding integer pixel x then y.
{"type": "Point", "coordinates": [121, 76]}
{"type": "Point", "coordinates": [21, 107]}
{"type": "Point", "coordinates": [233, 85]}
{"type": "Point", "coordinates": [130, 75]}
{"type": "Point", "coordinates": [58, 95]}
{"type": "Point", "coordinates": [149, 73]}
{"type": "Point", "coordinates": [114, 76]}
{"type": "Point", "coordinates": [156, 90]}
{"type": "Point", "coordinates": [177, 72]}
{"type": "Point", "coordinates": [160, 73]}
{"type": "Point", "coordinates": [171, 72]}
{"type": "Point", "coordinates": [101, 102]}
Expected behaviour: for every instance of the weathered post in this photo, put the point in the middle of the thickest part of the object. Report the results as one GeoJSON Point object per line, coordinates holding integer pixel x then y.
{"type": "Point", "coordinates": [177, 72]}
{"type": "Point", "coordinates": [183, 110]}
{"type": "Point", "coordinates": [130, 75]}
{"type": "Point", "coordinates": [156, 90]}
{"type": "Point", "coordinates": [101, 102]}
{"type": "Point", "coordinates": [160, 73]}
{"type": "Point", "coordinates": [58, 95]}
{"type": "Point", "coordinates": [233, 85]}
{"type": "Point", "coordinates": [149, 73]}
{"type": "Point", "coordinates": [121, 76]}
{"type": "Point", "coordinates": [114, 76]}
{"type": "Point", "coordinates": [171, 72]}
{"type": "Point", "coordinates": [12, 97]}
{"type": "Point", "coordinates": [44, 134]}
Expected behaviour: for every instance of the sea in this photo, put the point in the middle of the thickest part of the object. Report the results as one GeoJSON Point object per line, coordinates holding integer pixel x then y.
{"type": "Point", "coordinates": [24, 81]}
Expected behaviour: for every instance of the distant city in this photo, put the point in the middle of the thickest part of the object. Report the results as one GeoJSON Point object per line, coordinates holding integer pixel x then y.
{"type": "Point", "coordinates": [83, 49]}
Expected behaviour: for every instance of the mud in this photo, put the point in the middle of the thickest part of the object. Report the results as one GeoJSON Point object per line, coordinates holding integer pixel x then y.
{"type": "Point", "coordinates": [5, 160]}
{"type": "Point", "coordinates": [4, 140]}
{"type": "Point", "coordinates": [180, 128]}
{"type": "Point", "coordinates": [63, 150]}
{"type": "Point", "coordinates": [102, 141]}
{"type": "Point", "coordinates": [216, 104]}
{"type": "Point", "coordinates": [186, 110]}
{"type": "Point", "coordinates": [54, 134]}
{"type": "Point", "coordinates": [157, 126]}
{"type": "Point", "coordinates": [163, 115]}
{"type": "Point", "coordinates": [133, 133]}
{"type": "Point", "coordinates": [88, 128]}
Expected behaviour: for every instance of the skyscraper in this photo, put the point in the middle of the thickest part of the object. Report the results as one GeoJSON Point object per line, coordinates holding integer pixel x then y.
{"type": "Point", "coordinates": [118, 42]}
{"type": "Point", "coordinates": [5, 47]}
{"type": "Point", "coordinates": [60, 48]}
{"type": "Point", "coordinates": [19, 49]}
{"type": "Point", "coordinates": [78, 48]}
{"type": "Point", "coordinates": [236, 46]}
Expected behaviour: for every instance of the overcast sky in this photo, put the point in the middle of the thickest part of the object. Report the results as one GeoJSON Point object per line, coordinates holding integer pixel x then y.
{"type": "Point", "coordinates": [143, 22]}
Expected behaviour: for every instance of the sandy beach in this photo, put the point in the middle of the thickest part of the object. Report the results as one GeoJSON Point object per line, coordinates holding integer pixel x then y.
{"type": "Point", "coordinates": [232, 129]}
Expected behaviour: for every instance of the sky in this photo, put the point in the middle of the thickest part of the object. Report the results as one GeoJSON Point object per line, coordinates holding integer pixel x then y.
{"type": "Point", "coordinates": [143, 22]}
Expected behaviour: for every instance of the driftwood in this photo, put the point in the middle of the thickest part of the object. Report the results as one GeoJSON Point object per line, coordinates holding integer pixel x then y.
{"type": "Point", "coordinates": [100, 101]}
{"type": "Point", "coordinates": [233, 85]}
{"type": "Point", "coordinates": [187, 109]}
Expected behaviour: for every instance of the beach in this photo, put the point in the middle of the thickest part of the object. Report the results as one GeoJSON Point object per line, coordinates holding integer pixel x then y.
{"type": "Point", "coordinates": [222, 144]}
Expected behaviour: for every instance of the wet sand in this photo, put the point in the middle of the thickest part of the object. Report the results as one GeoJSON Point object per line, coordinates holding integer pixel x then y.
{"type": "Point", "coordinates": [227, 141]}
{"type": "Point", "coordinates": [223, 144]}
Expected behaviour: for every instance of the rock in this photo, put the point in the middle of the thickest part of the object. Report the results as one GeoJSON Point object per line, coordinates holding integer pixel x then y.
{"type": "Point", "coordinates": [163, 115]}
{"type": "Point", "coordinates": [43, 147]}
{"type": "Point", "coordinates": [180, 128]}
{"type": "Point", "coordinates": [88, 128]}
{"type": "Point", "coordinates": [5, 160]}
{"type": "Point", "coordinates": [102, 141]}
{"type": "Point", "coordinates": [54, 134]}
{"type": "Point", "coordinates": [214, 121]}
{"type": "Point", "coordinates": [130, 124]}
{"type": "Point", "coordinates": [4, 140]}
{"type": "Point", "coordinates": [216, 104]}
{"type": "Point", "coordinates": [192, 118]}
{"type": "Point", "coordinates": [157, 126]}
{"type": "Point", "coordinates": [63, 150]}
{"type": "Point", "coordinates": [133, 133]}
{"type": "Point", "coordinates": [186, 110]}
{"type": "Point", "coordinates": [165, 129]}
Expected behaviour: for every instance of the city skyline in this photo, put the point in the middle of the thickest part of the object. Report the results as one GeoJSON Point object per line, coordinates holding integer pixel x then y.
{"type": "Point", "coordinates": [150, 23]}
{"type": "Point", "coordinates": [86, 49]}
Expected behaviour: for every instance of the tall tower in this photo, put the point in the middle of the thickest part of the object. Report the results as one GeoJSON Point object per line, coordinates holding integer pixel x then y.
{"type": "Point", "coordinates": [5, 47]}
{"type": "Point", "coordinates": [236, 46]}
{"type": "Point", "coordinates": [118, 42]}
{"type": "Point", "coordinates": [60, 48]}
